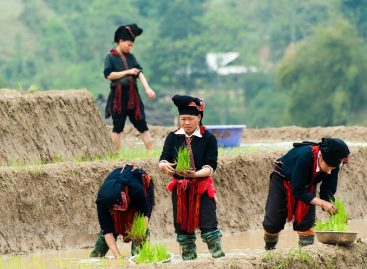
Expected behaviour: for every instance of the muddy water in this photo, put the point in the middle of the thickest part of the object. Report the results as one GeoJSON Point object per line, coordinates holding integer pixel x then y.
{"type": "Point", "coordinates": [234, 244]}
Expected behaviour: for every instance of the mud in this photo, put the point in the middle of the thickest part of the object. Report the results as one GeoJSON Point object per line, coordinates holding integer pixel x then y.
{"type": "Point", "coordinates": [51, 206]}
{"type": "Point", "coordinates": [264, 135]}
{"type": "Point", "coordinates": [43, 126]}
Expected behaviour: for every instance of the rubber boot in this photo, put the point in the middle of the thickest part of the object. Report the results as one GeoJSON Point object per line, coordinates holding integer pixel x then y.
{"type": "Point", "coordinates": [215, 248]}
{"type": "Point", "coordinates": [101, 247]}
{"type": "Point", "coordinates": [271, 241]}
{"type": "Point", "coordinates": [188, 251]}
{"type": "Point", "coordinates": [306, 240]}
{"type": "Point", "coordinates": [188, 246]}
{"type": "Point", "coordinates": [212, 239]}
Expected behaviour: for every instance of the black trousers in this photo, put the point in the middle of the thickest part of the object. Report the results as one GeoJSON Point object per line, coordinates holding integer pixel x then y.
{"type": "Point", "coordinates": [120, 119]}
{"type": "Point", "coordinates": [276, 209]}
{"type": "Point", "coordinates": [208, 216]}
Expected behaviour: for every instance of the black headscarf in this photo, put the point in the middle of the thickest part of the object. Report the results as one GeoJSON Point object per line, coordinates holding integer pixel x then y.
{"type": "Point", "coordinates": [334, 151]}
{"type": "Point", "coordinates": [127, 32]}
{"type": "Point", "coordinates": [188, 105]}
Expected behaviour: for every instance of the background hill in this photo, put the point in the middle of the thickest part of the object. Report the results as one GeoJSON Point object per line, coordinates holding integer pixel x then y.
{"type": "Point", "coordinates": [299, 63]}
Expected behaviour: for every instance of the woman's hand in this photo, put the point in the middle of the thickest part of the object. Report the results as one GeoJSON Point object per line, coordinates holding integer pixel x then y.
{"type": "Point", "coordinates": [167, 167]}
{"type": "Point", "coordinates": [150, 93]}
{"type": "Point", "coordinates": [329, 207]}
{"type": "Point", "coordinates": [134, 71]}
{"type": "Point", "coordinates": [188, 174]}
{"type": "Point", "coordinates": [325, 205]}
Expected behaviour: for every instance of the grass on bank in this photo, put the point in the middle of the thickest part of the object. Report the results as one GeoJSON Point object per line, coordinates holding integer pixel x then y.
{"type": "Point", "coordinates": [127, 154]}
{"type": "Point", "coordinates": [337, 222]}
{"type": "Point", "coordinates": [295, 256]}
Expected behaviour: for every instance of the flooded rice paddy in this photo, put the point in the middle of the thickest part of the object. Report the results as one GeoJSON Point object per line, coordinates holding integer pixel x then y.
{"type": "Point", "coordinates": [235, 244]}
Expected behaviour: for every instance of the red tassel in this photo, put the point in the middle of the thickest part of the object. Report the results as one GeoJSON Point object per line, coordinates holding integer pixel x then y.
{"type": "Point", "coordinates": [290, 199]}
{"type": "Point", "coordinates": [188, 212]}
{"type": "Point", "coordinates": [134, 100]}
{"type": "Point", "coordinates": [117, 101]}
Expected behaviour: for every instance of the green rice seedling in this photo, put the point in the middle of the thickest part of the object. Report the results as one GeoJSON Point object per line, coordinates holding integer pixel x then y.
{"type": "Point", "coordinates": [33, 88]}
{"type": "Point", "coordinates": [18, 163]}
{"type": "Point", "coordinates": [183, 160]}
{"type": "Point", "coordinates": [138, 228]}
{"type": "Point", "coordinates": [20, 87]}
{"type": "Point", "coordinates": [57, 158]}
{"type": "Point", "coordinates": [336, 222]}
{"type": "Point", "coordinates": [150, 253]}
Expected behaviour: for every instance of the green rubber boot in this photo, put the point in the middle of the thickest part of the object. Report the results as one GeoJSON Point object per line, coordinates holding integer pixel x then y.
{"type": "Point", "coordinates": [100, 248]}
{"type": "Point", "coordinates": [212, 239]}
{"type": "Point", "coordinates": [188, 252]}
{"type": "Point", "coordinates": [215, 248]}
{"type": "Point", "coordinates": [306, 240]}
{"type": "Point", "coordinates": [188, 246]}
{"type": "Point", "coordinates": [270, 241]}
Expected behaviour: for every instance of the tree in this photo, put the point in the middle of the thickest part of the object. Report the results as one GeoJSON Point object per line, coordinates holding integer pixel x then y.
{"type": "Point", "coordinates": [325, 78]}
{"type": "Point", "coordinates": [356, 12]}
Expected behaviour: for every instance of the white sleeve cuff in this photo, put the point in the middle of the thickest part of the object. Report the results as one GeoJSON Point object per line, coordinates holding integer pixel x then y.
{"type": "Point", "coordinates": [211, 169]}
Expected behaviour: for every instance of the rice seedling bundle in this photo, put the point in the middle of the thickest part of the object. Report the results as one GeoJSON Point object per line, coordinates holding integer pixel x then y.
{"type": "Point", "coordinates": [138, 228]}
{"type": "Point", "coordinates": [183, 160]}
{"type": "Point", "coordinates": [336, 222]}
{"type": "Point", "coordinates": [150, 253]}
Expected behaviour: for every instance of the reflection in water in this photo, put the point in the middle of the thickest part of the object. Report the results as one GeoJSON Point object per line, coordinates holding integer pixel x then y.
{"type": "Point", "coordinates": [235, 244]}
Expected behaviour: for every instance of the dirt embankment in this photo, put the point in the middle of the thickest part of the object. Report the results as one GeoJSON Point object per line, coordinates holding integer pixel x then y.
{"type": "Point", "coordinates": [266, 135]}
{"type": "Point", "coordinates": [313, 257]}
{"type": "Point", "coordinates": [295, 133]}
{"type": "Point", "coordinates": [43, 126]}
{"type": "Point", "coordinates": [52, 206]}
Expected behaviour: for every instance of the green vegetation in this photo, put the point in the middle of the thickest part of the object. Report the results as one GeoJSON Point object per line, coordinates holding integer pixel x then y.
{"type": "Point", "coordinates": [33, 88]}
{"type": "Point", "coordinates": [126, 153]}
{"type": "Point", "coordinates": [138, 229]}
{"type": "Point", "coordinates": [57, 158]}
{"type": "Point", "coordinates": [294, 257]}
{"type": "Point", "coordinates": [150, 253]}
{"type": "Point", "coordinates": [336, 222]}
{"type": "Point", "coordinates": [183, 160]}
{"type": "Point", "coordinates": [18, 163]}
{"type": "Point", "coordinates": [130, 154]}
{"type": "Point", "coordinates": [333, 62]}
{"type": "Point", "coordinates": [299, 49]}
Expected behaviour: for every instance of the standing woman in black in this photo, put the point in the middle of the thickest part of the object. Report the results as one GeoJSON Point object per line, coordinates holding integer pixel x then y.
{"type": "Point", "coordinates": [122, 69]}
{"type": "Point", "coordinates": [193, 193]}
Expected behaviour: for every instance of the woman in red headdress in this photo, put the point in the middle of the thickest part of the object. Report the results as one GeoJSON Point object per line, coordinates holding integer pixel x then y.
{"type": "Point", "coordinates": [193, 193]}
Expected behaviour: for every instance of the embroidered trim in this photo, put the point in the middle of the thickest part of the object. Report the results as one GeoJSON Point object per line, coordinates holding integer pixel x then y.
{"type": "Point", "coordinates": [211, 169]}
